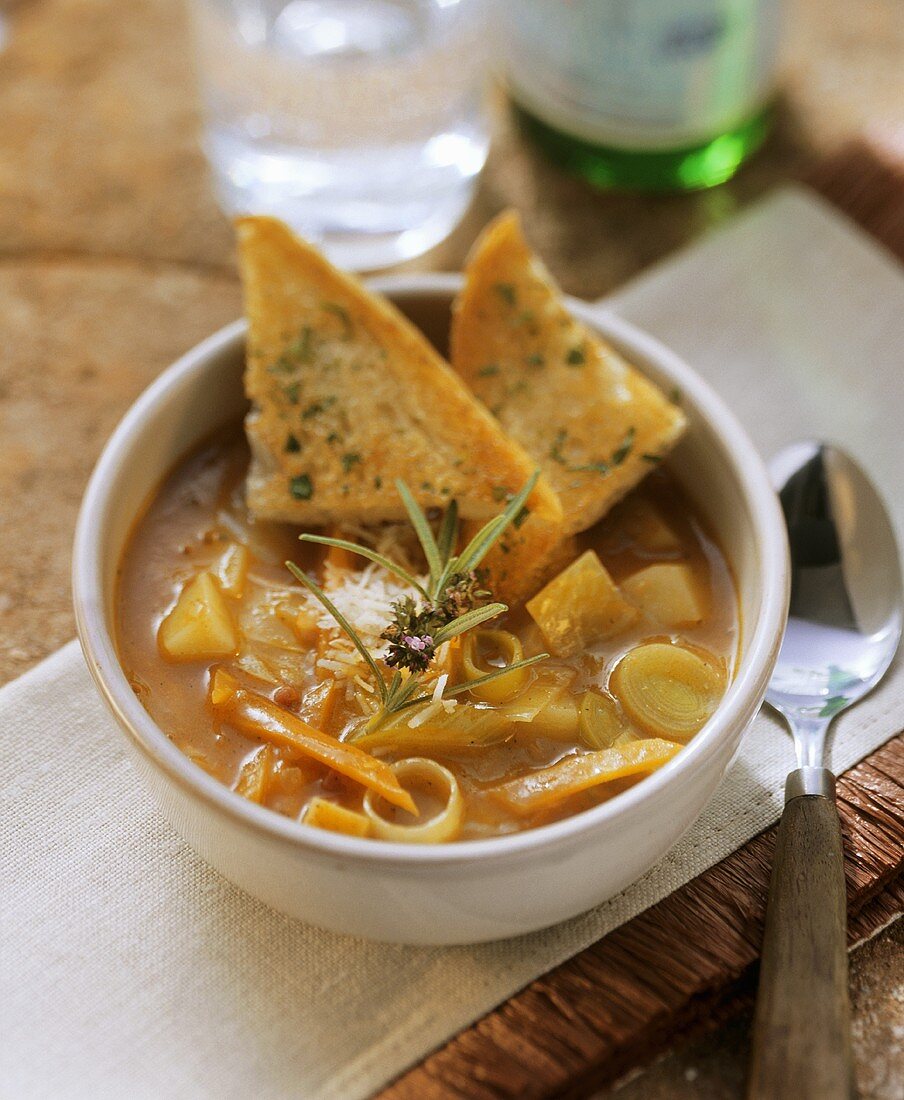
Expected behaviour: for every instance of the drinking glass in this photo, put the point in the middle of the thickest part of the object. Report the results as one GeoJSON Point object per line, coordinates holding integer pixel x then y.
{"type": "Point", "coordinates": [359, 122]}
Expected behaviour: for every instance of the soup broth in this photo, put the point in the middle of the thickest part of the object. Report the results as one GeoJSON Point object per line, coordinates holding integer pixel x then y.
{"type": "Point", "coordinates": [522, 750]}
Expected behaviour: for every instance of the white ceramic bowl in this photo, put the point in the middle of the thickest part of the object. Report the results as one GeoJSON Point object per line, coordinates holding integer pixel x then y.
{"type": "Point", "coordinates": [456, 893]}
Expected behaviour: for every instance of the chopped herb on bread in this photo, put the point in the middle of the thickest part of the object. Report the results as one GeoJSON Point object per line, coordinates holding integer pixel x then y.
{"type": "Point", "coordinates": [591, 421]}
{"type": "Point", "coordinates": [347, 395]}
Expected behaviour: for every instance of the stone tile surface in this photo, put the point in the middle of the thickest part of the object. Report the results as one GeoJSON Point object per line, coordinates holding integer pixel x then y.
{"type": "Point", "coordinates": [82, 337]}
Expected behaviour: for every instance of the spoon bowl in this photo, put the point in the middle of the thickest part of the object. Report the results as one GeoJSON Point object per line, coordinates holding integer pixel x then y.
{"type": "Point", "coordinates": [847, 601]}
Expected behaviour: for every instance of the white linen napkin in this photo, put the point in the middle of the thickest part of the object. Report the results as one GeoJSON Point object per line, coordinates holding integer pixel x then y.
{"type": "Point", "coordinates": [130, 968]}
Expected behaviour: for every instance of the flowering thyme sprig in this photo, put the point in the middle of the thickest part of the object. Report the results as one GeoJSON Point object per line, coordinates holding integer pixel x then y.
{"type": "Point", "coordinates": [412, 632]}
{"type": "Point", "coordinates": [411, 651]}
{"type": "Point", "coordinates": [463, 592]}
{"type": "Point", "coordinates": [453, 601]}
{"type": "Point", "coordinates": [410, 636]}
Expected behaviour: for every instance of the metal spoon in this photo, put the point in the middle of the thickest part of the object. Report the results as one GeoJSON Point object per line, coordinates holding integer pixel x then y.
{"type": "Point", "coordinates": [843, 630]}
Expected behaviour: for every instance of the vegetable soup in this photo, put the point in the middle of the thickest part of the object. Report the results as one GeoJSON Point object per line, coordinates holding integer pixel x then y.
{"type": "Point", "coordinates": [377, 690]}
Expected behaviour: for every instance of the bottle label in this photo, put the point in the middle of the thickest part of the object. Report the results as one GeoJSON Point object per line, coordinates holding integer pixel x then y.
{"type": "Point", "coordinates": [641, 74]}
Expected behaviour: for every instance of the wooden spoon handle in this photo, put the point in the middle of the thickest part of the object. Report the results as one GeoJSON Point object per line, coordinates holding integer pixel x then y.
{"type": "Point", "coordinates": [801, 1035]}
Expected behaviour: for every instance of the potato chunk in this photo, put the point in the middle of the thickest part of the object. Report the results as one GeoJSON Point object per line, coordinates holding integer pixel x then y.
{"type": "Point", "coordinates": [581, 606]}
{"type": "Point", "coordinates": [667, 593]}
{"type": "Point", "coordinates": [199, 626]}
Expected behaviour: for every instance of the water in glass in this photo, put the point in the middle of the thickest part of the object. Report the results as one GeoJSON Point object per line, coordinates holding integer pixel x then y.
{"type": "Point", "coordinates": [359, 122]}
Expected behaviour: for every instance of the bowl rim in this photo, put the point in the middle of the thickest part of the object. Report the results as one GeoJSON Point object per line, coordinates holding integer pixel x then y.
{"type": "Point", "coordinates": [737, 707]}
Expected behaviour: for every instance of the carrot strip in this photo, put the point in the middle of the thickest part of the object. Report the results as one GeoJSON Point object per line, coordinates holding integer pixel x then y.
{"type": "Point", "coordinates": [541, 789]}
{"type": "Point", "coordinates": [259, 716]}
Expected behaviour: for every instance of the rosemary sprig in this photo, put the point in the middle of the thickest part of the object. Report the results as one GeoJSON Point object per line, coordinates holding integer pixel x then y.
{"type": "Point", "coordinates": [459, 689]}
{"type": "Point", "coordinates": [453, 586]}
{"type": "Point", "coordinates": [365, 552]}
{"type": "Point", "coordinates": [469, 621]}
{"type": "Point", "coordinates": [423, 531]}
{"type": "Point", "coordinates": [442, 563]}
{"type": "Point", "coordinates": [480, 545]}
{"type": "Point", "coordinates": [344, 623]}
{"type": "Point", "coordinates": [448, 533]}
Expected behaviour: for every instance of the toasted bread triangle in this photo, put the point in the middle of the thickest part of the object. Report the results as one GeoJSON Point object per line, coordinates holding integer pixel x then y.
{"type": "Point", "coordinates": [592, 422]}
{"type": "Point", "coordinates": [347, 395]}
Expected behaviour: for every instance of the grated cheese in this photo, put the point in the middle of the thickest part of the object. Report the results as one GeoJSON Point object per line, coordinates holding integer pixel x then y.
{"type": "Point", "coordinates": [440, 687]}
{"type": "Point", "coordinates": [425, 714]}
{"type": "Point", "coordinates": [342, 667]}
{"type": "Point", "coordinates": [365, 598]}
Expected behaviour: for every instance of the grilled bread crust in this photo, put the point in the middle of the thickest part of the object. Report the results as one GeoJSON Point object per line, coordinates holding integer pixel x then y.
{"type": "Point", "coordinates": [591, 421]}
{"type": "Point", "coordinates": [347, 395]}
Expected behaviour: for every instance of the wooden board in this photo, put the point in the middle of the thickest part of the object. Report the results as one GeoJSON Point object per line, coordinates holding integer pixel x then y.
{"type": "Point", "coordinates": [619, 1002]}
{"type": "Point", "coordinates": [692, 957]}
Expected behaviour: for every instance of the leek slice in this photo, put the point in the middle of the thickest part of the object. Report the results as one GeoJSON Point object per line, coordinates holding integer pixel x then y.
{"type": "Point", "coordinates": [255, 775]}
{"type": "Point", "coordinates": [433, 779]}
{"type": "Point", "coordinates": [232, 570]}
{"type": "Point", "coordinates": [268, 617]}
{"type": "Point", "coordinates": [541, 789]}
{"type": "Point", "coordinates": [546, 705]}
{"type": "Point", "coordinates": [668, 690]}
{"type": "Point", "coordinates": [486, 651]}
{"type": "Point", "coordinates": [549, 707]}
{"type": "Point", "coordinates": [465, 726]}
{"type": "Point", "coordinates": [599, 722]}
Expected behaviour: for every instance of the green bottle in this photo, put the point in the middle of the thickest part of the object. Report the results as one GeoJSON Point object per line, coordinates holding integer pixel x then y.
{"type": "Point", "coordinates": [644, 95]}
